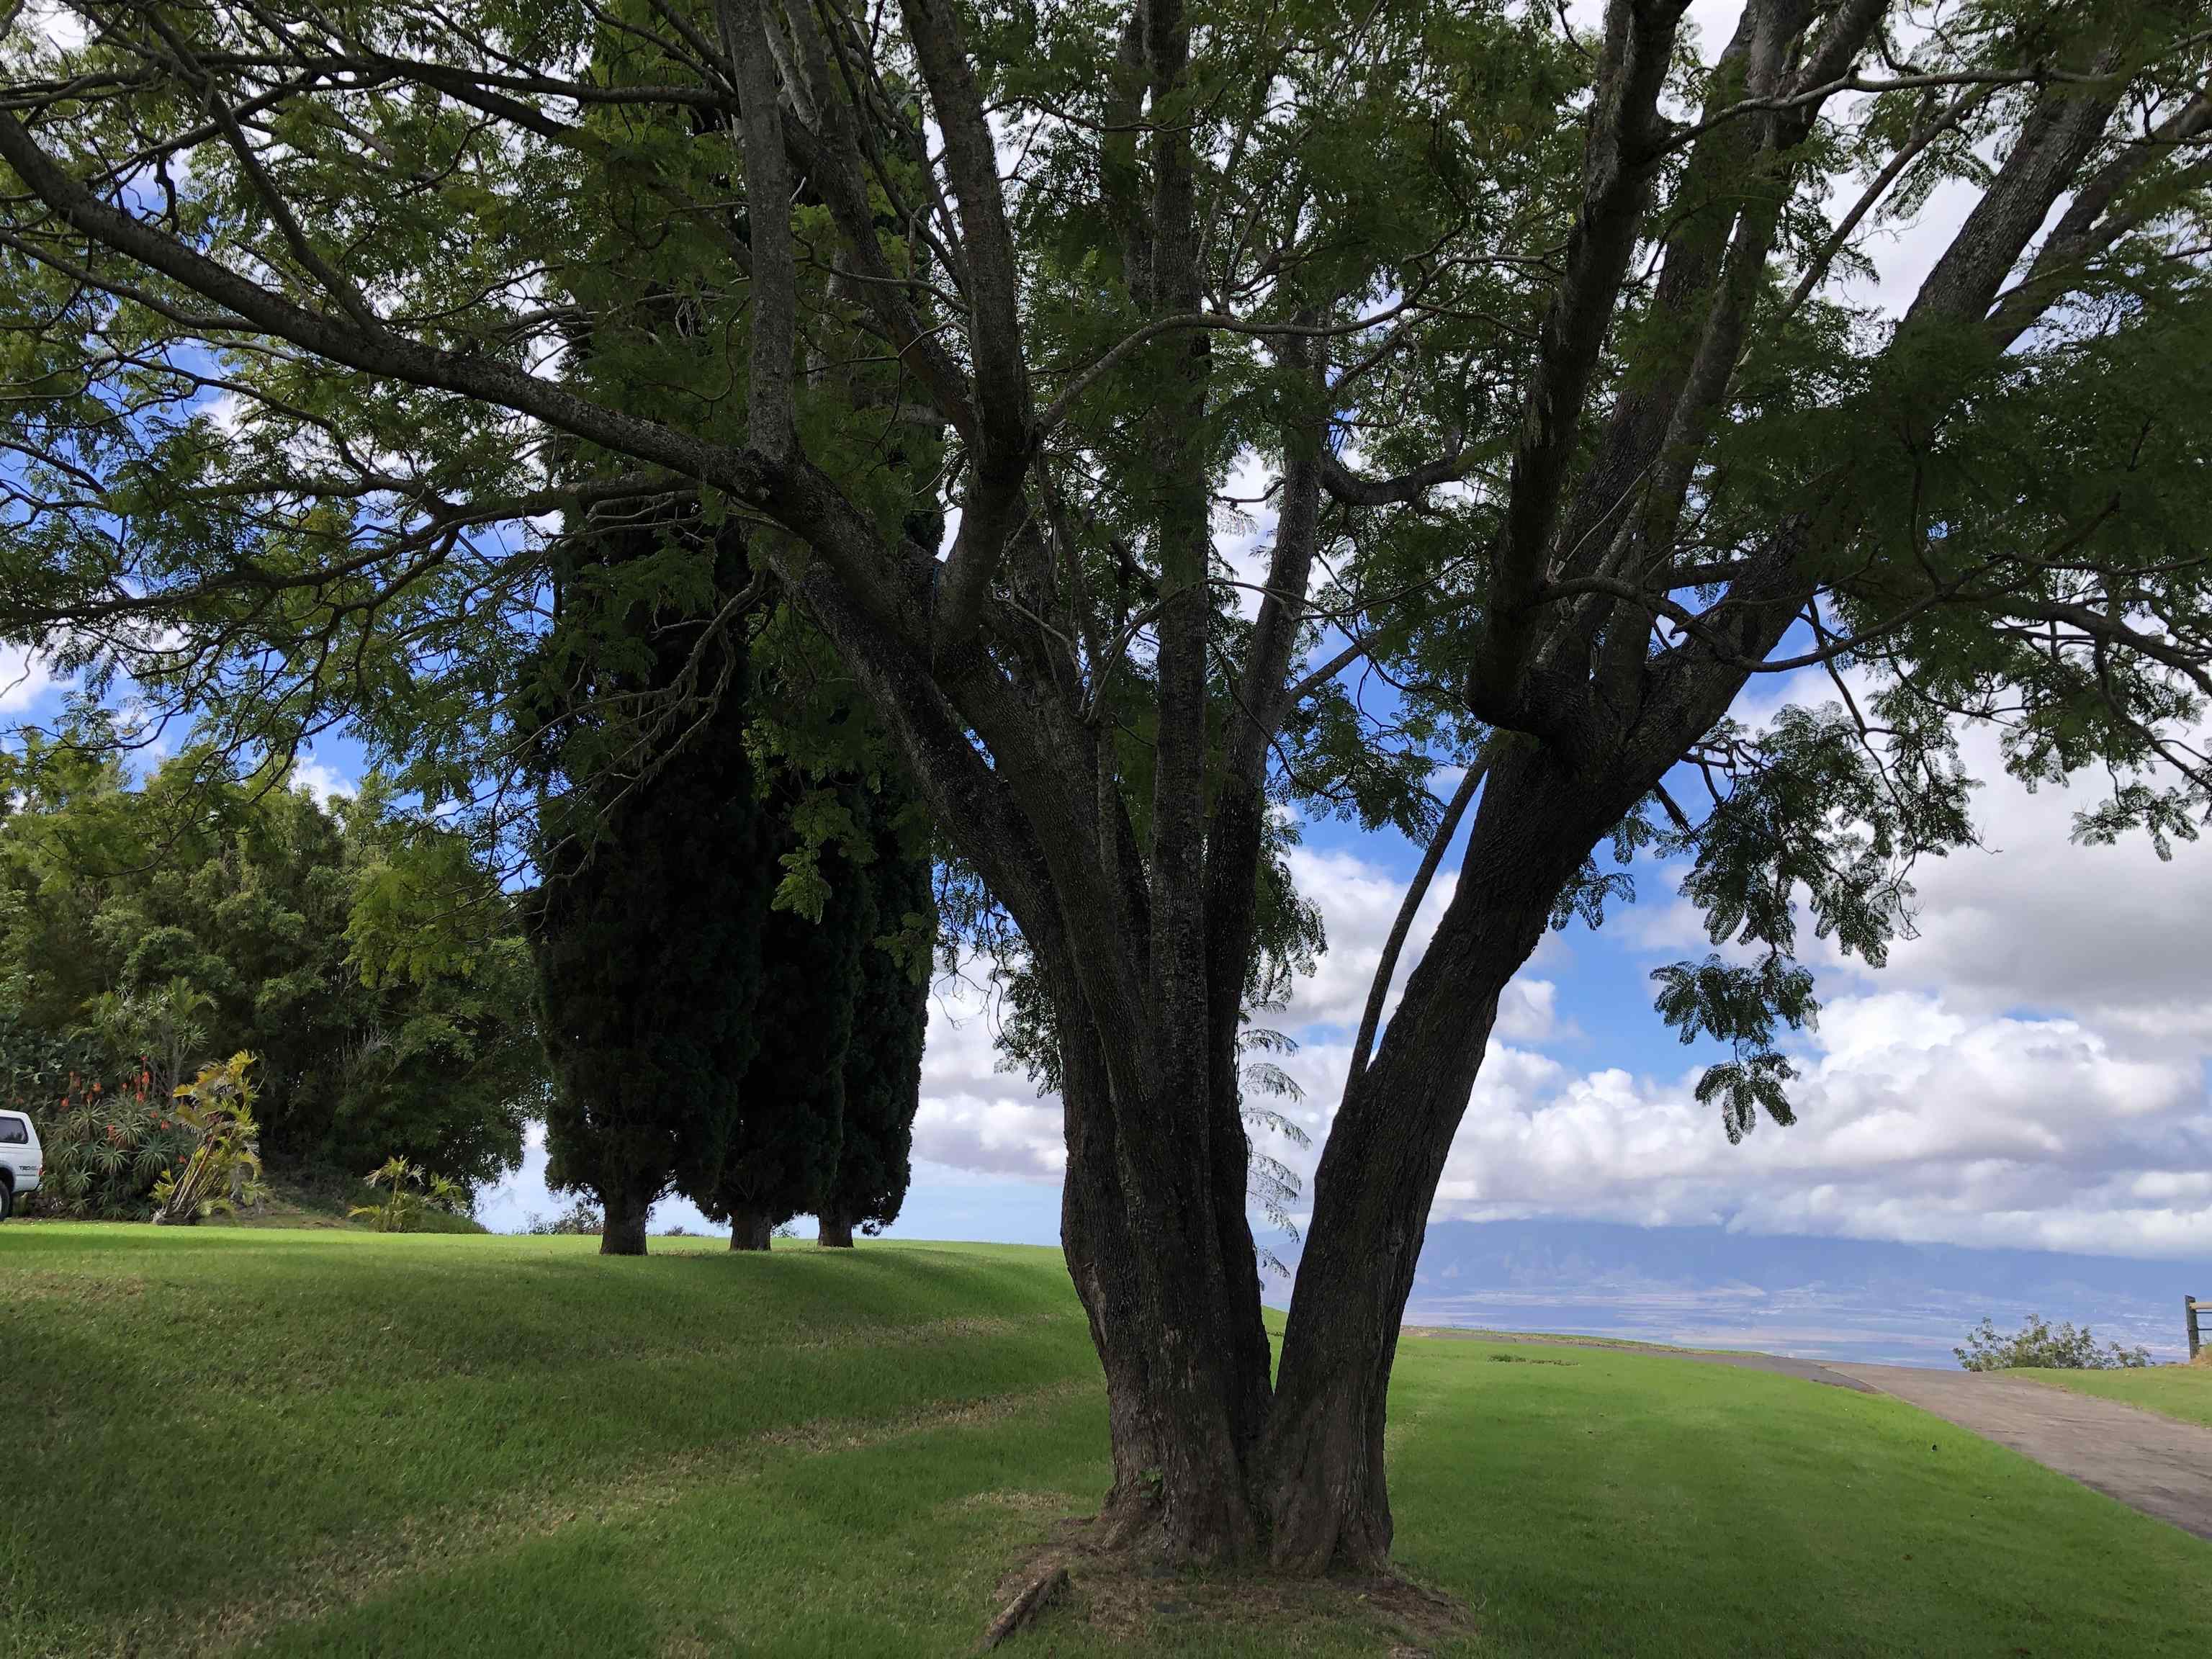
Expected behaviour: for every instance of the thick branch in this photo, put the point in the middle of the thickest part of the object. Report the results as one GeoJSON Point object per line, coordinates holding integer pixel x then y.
{"type": "Point", "coordinates": [1618, 158]}
{"type": "Point", "coordinates": [1386, 969]}
{"type": "Point", "coordinates": [774, 292]}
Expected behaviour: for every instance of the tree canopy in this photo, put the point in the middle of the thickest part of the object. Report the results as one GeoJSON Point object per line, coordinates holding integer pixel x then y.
{"type": "Point", "coordinates": [655, 863]}
{"type": "Point", "coordinates": [1534, 353]}
{"type": "Point", "coordinates": [882, 1076]}
{"type": "Point", "coordinates": [362, 957]}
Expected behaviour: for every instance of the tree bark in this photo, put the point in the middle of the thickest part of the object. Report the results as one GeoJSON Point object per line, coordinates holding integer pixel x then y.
{"type": "Point", "coordinates": [1185, 1357]}
{"type": "Point", "coordinates": [750, 1229]}
{"type": "Point", "coordinates": [622, 1228]}
{"type": "Point", "coordinates": [1321, 1483]}
{"type": "Point", "coordinates": [837, 1231]}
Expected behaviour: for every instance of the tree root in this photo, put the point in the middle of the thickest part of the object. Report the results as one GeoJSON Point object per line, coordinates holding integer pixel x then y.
{"type": "Point", "coordinates": [1124, 1589]}
{"type": "Point", "coordinates": [1046, 1589]}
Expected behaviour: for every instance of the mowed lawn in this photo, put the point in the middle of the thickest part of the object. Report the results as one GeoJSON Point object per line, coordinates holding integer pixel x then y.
{"type": "Point", "coordinates": [2182, 1391]}
{"type": "Point", "coordinates": [320, 1442]}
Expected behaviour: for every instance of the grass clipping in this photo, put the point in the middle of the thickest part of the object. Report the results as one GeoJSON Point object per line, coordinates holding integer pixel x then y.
{"type": "Point", "coordinates": [1135, 1602]}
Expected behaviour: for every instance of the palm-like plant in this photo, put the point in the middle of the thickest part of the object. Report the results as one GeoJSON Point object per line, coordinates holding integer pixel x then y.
{"type": "Point", "coordinates": [223, 1169]}
{"type": "Point", "coordinates": [448, 1194]}
{"type": "Point", "coordinates": [401, 1204]}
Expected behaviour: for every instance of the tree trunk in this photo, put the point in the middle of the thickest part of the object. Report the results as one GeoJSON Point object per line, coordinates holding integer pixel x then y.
{"type": "Point", "coordinates": [750, 1229]}
{"type": "Point", "coordinates": [1175, 1320]}
{"type": "Point", "coordinates": [836, 1232]}
{"type": "Point", "coordinates": [622, 1230]}
{"type": "Point", "coordinates": [1321, 1483]}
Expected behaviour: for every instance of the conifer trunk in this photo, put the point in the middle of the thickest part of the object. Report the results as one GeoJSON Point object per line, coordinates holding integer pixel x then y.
{"type": "Point", "coordinates": [750, 1229]}
{"type": "Point", "coordinates": [837, 1231]}
{"type": "Point", "coordinates": [623, 1216]}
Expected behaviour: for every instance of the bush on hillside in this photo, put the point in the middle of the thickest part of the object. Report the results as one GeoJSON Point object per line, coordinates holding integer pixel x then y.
{"type": "Point", "coordinates": [580, 1219]}
{"type": "Point", "coordinates": [2036, 1346]}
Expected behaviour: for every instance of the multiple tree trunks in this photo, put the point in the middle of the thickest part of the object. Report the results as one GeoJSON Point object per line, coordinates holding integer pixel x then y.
{"type": "Point", "coordinates": [1213, 1462]}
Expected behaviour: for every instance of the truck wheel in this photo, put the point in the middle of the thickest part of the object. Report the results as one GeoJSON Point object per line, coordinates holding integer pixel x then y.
{"type": "Point", "coordinates": [7, 1199]}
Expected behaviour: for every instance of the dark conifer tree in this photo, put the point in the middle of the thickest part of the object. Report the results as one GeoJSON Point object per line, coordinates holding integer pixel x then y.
{"type": "Point", "coordinates": [782, 1154]}
{"type": "Point", "coordinates": [891, 1019]}
{"type": "Point", "coordinates": [655, 873]}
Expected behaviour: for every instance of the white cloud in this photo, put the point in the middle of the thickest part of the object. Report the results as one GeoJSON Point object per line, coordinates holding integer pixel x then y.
{"type": "Point", "coordinates": [62, 27]}
{"type": "Point", "coordinates": [322, 782]}
{"type": "Point", "coordinates": [1915, 1123]}
{"type": "Point", "coordinates": [2110, 934]}
{"type": "Point", "coordinates": [2028, 1072]}
{"type": "Point", "coordinates": [974, 1115]}
{"type": "Point", "coordinates": [25, 679]}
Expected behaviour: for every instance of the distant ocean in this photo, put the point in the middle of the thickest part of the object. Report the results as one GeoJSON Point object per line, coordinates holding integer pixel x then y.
{"type": "Point", "coordinates": [1815, 1299]}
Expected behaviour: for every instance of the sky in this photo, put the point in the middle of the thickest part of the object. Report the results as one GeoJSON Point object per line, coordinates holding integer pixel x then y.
{"type": "Point", "coordinates": [2028, 1072]}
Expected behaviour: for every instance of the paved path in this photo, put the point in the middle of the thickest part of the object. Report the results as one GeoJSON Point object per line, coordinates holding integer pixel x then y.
{"type": "Point", "coordinates": [2158, 1465]}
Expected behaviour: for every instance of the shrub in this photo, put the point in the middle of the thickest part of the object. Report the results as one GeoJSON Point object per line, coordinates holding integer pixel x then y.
{"type": "Point", "coordinates": [107, 1144]}
{"type": "Point", "coordinates": [410, 1193]}
{"type": "Point", "coordinates": [580, 1218]}
{"type": "Point", "coordinates": [2036, 1345]}
{"type": "Point", "coordinates": [223, 1170]}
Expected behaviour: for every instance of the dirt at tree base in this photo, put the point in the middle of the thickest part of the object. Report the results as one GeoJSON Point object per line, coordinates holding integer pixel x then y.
{"type": "Point", "coordinates": [1134, 1599]}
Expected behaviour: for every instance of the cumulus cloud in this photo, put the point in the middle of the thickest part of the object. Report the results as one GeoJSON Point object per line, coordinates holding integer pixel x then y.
{"type": "Point", "coordinates": [2028, 1072]}
{"type": "Point", "coordinates": [2112, 935]}
{"type": "Point", "coordinates": [974, 1115]}
{"type": "Point", "coordinates": [1358, 902]}
{"type": "Point", "coordinates": [1915, 1123]}
{"type": "Point", "coordinates": [24, 679]}
{"type": "Point", "coordinates": [322, 782]}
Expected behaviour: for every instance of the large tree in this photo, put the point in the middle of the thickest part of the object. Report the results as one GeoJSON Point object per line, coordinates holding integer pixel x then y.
{"type": "Point", "coordinates": [655, 863]}
{"type": "Point", "coordinates": [890, 1023]}
{"type": "Point", "coordinates": [781, 1155]}
{"type": "Point", "coordinates": [1544, 346]}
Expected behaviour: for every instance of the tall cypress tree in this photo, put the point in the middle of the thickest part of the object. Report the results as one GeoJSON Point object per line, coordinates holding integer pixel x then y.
{"type": "Point", "coordinates": [890, 1019]}
{"type": "Point", "coordinates": [782, 1152]}
{"type": "Point", "coordinates": [655, 873]}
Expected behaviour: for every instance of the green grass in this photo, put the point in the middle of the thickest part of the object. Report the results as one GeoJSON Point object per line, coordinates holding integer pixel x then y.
{"type": "Point", "coordinates": [2182, 1391]}
{"type": "Point", "coordinates": [328, 1443]}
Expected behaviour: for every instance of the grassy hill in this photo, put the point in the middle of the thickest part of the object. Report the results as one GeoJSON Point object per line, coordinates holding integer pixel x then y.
{"type": "Point", "coordinates": [2182, 1391]}
{"type": "Point", "coordinates": [330, 1442]}
{"type": "Point", "coordinates": [327, 1199]}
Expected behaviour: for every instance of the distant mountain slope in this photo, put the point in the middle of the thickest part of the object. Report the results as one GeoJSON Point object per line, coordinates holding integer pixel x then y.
{"type": "Point", "coordinates": [1819, 1297]}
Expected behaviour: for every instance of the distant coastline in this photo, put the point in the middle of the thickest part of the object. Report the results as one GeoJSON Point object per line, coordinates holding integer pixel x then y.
{"type": "Point", "coordinates": [1815, 1299]}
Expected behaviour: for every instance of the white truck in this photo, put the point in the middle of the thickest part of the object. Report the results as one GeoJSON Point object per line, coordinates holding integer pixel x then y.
{"type": "Point", "coordinates": [20, 1160]}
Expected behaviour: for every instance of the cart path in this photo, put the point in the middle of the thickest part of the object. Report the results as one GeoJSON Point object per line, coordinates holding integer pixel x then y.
{"type": "Point", "coordinates": [2152, 1463]}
